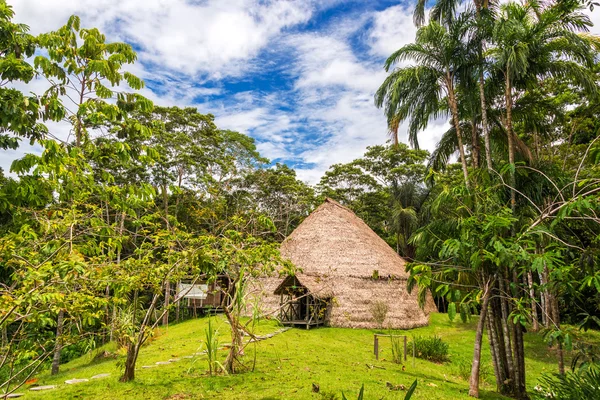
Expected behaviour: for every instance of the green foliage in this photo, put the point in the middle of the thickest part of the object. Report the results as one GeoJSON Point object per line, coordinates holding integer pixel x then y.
{"type": "Point", "coordinates": [572, 385]}
{"type": "Point", "coordinates": [397, 347]}
{"type": "Point", "coordinates": [431, 348]}
{"type": "Point", "coordinates": [211, 342]}
{"type": "Point", "coordinates": [451, 311]}
{"type": "Point", "coordinates": [411, 390]}
{"type": "Point", "coordinates": [463, 369]}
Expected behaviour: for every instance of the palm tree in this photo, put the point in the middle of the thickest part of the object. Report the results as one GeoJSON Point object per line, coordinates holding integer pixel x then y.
{"type": "Point", "coordinates": [445, 11]}
{"type": "Point", "coordinates": [406, 200]}
{"type": "Point", "coordinates": [533, 43]}
{"type": "Point", "coordinates": [427, 90]}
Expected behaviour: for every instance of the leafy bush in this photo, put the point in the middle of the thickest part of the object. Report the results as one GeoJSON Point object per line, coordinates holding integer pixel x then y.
{"type": "Point", "coordinates": [463, 369]}
{"type": "Point", "coordinates": [583, 384]}
{"type": "Point", "coordinates": [431, 348]}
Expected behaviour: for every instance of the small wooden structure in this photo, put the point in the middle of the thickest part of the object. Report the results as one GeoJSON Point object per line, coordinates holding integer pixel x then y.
{"type": "Point", "coordinates": [299, 306]}
{"type": "Point", "coordinates": [204, 296]}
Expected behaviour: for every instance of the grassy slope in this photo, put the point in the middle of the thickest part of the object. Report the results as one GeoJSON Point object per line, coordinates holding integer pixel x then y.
{"type": "Point", "coordinates": [288, 364]}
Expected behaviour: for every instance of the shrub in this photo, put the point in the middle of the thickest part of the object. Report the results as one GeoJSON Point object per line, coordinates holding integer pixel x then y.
{"type": "Point", "coordinates": [431, 348]}
{"type": "Point", "coordinates": [583, 384]}
{"type": "Point", "coordinates": [397, 348]}
{"type": "Point", "coordinates": [379, 310]}
{"type": "Point", "coordinates": [463, 369]}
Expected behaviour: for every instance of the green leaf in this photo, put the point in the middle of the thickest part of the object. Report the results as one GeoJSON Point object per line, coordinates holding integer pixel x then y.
{"type": "Point", "coordinates": [411, 390]}
{"type": "Point", "coordinates": [452, 311]}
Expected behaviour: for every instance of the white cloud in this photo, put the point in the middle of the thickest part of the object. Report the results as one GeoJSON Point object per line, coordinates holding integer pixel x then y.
{"type": "Point", "coordinates": [392, 29]}
{"type": "Point", "coordinates": [189, 47]}
{"type": "Point", "coordinates": [212, 37]}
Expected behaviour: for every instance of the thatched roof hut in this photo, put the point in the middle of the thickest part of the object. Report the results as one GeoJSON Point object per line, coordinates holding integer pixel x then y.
{"type": "Point", "coordinates": [343, 260]}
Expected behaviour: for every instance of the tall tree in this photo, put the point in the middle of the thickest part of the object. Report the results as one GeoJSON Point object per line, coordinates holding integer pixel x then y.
{"type": "Point", "coordinates": [428, 89]}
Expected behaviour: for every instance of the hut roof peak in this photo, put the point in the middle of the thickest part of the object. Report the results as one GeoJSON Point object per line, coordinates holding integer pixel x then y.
{"type": "Point", "coordinates": [332, 241]}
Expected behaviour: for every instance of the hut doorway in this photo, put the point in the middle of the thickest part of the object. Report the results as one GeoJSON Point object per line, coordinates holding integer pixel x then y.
{"type": "Point", "coordinates": [299, 306]}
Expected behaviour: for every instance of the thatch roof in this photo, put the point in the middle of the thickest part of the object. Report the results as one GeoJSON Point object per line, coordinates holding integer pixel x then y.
{"type": "Point", "coordinates": [341, 257]}
{"type": "Point", "coordinates": [333, 241]}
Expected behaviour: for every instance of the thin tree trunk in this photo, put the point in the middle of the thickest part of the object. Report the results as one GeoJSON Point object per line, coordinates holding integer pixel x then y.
{"type": "Point", "coordinates": [474, 381]}
{"type": "Point", "coordinates": [520, 355]}
{"type": "Point", "coordinates": [536, 142]}
{"type": "Point", "coordinates": [474, 145]}
{"type": "Point", "coordinates": [79, 128]}
{"type": "Point", "coordinates": [484, 121]}
{"type": "Point", "coordinates": [165, 319]}
{"type": "Point", "coordinates": [556, 319]}
{"type": "Point", "coordinates": [456, 121]}
{"type": "Point", "coordinates": [544, 299]}
{"type": "Point", "coordinates": [177, 305]}
{"type": "Point", "coordinates": [4, 336]}
{"type": "Point", "coordinates": [483, 103]}
{"type": "Point", "coordinates": [58, 345]}
{"type": "Point", "coordinates": [534, 314]}
{"type": "Point", "coordinates": [509, 134]}
{"type": "Point", "coordinates": [500, 367]}
{"type": "Point", "coordinates": [561, 359]}
{"type": "Point", "coordinates": [505, 333]}
{"type": "Point", "coordinates": [494, 351]}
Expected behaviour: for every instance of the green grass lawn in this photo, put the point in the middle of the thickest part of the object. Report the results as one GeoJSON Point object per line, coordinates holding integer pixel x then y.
{"type": "Point", "coordinates": [289, 363]}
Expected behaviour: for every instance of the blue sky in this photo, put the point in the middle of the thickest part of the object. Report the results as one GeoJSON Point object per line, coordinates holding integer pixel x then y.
{"type": "Point", "coordinates": [297, 75]}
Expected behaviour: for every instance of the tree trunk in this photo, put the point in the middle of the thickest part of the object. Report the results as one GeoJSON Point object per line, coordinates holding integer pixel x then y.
{"type": "Point", "coordinates": [177, 308]}
{"type": "Point", "coordinates": [165, 319]}
{"type": "Point", "coordinates": [474, 381]}
{"type": "Point", "coordinates": [500, 368]}
{"type": "Point", "coordinates": [505, 333]}
{"type": "Point", "coordinates": [536, 142]}
{"type": "Point", "coordinates": [474, 145]}
{"type": "Point", "coordinates": [132, 354]}
{"type": "Point", "coordinates": [483, 103]}
{"type": "Point", "coordinates": [484, 121]}
{"type": "Point", "coordinates": [521, 386]}
{"type": "Point", "coordinates": [58, 345]}
{"type": "Point", "coordinates": [4, 336]}
{"type": "Point", "coordinates": [165, 196]}
{"type": "Point", "coordinates": [79, 126]}
{"type": "Point", "coordinates": [556, 319]}
{"type": "Point", "coordinates": [534, 314]}
{"type": "Point", "coordinates": [236, 344]}
{"type": "Point", "coordinates": [561, 359]}
{"type": "Point", "coordinates": [456, 121]}
{"type": "Point", "coordinates": [544, 299]}
{"type": "Point", "coordinates": [494, 352]}
{"type": "Point", "coordinates": [511, 148]}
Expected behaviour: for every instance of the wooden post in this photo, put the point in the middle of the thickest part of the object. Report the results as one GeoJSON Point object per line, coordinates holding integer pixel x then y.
{"type": "Point", "coordinates": [376, 347]}
{"type": "Point", "coordinates": [404, 348]}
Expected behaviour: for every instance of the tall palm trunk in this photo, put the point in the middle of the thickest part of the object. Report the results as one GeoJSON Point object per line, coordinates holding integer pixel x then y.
{"type": "Point", "coordinates": [509, 134]}
{"type": "Point", "coordinates": [456, 121]}
{"type": "Point", "coordinates": [475, 150]}
{"type": "Point", "coordinates": [484, 121]}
